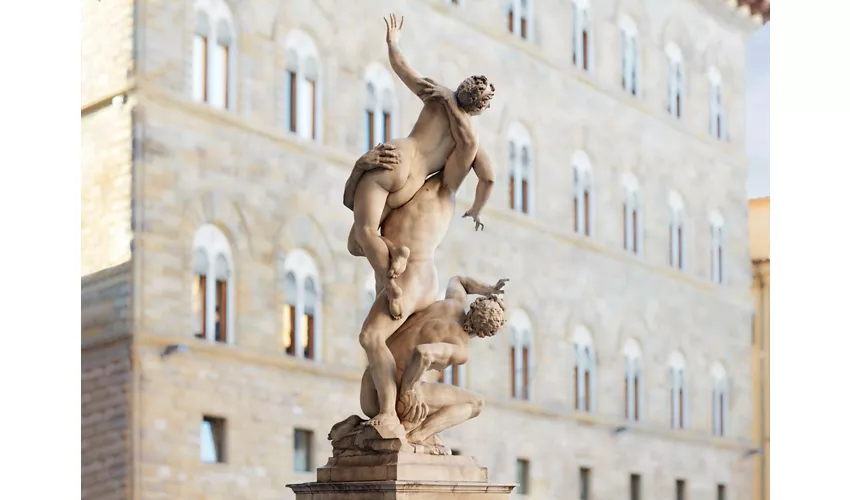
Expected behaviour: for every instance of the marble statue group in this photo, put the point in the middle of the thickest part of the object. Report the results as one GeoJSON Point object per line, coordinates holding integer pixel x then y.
{"type": "Point", "coordinates": [402, 195]}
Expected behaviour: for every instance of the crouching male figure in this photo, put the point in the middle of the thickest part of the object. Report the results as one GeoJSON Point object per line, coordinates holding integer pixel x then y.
{"type": "Point", "coordinates": [433, 339]}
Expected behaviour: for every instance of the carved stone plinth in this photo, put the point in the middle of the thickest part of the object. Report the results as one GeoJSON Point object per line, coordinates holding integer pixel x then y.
{"type": "Point", "coordinates": [402, 475]}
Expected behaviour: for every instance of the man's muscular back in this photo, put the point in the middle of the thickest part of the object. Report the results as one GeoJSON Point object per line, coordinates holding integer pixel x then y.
{"type": "Point", "coordinates": [441, 322]}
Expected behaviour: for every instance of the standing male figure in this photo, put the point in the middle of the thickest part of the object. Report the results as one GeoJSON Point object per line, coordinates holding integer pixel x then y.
{"type": "Point", "coordinates": [375, 189]}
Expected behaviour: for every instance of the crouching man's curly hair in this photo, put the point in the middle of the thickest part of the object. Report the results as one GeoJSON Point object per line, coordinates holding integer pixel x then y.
{"type": "Point", "coordinates": [485, 317]}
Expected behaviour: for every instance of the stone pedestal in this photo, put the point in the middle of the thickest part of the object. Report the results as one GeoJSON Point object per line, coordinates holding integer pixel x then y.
{"type": "Point", "coordinates": [401, 475]}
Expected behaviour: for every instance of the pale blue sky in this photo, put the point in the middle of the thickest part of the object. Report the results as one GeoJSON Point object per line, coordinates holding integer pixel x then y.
{"type": "Point", "coordinates": [758, 112]}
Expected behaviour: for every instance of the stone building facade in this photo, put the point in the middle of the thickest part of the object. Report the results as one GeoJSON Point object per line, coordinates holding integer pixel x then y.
{"type": "Point", "coordinates": [217, 136]}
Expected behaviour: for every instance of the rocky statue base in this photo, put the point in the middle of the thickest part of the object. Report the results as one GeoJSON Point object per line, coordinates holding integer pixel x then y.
{"type": "Point", "coordinates": [401, 475]}
{"type": "Point", "coordinates": [372, 463]}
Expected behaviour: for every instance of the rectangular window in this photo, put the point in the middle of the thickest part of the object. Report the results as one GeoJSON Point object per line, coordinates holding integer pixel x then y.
{"type": "Point", "coordinates": [681, 252]}
{"type": "Point", "coordinates": [511, 20]}
{"type": "Point", "coordinates": [456, 452]}
{"type": "Point", "coordinates": [370, 130]}
{"type": "Point", "coordinates": [291, 101]}
{"type": "Point", "coordinates": [575, 213]}
{"type": "Point", "coordinates": [387, 127]}
{"type": "Point", "coordinates": [525, 196]}
{"type": "Point", "coordinates": [289, 329]}
{"type": "Point", "coordinates": [584, 48]}
{"type": "Point", "coordinates": [680, 489]}
{"type": "Point", "coordinates": [634, 487]}
{"type": "Point", "coordinates": [575, 389]}
{"type": "Point", "coordinates": [587, 213]}
{"type": "Point", "coordinates": [525, 373]}
{"type": "Point", "coordinates": [636, 414]}
{"type": "Point", "coordinates": [522, 476]}
{"type": "Point", "coordinates": [626, 397]}
{"type": "Point", "coordinates": [721, 492]}
{"type": "Point", "coordinates": [523, 33]}
{"type": "Point", "coordinates": [634, 231]}
{"type": "Point", "coordinates": [513, 192]}
{"type": "Point", "coordinates": [308, 335]}
{"type": "Point", "coordinates": [584, 483]}
{"type": "Point", "coordinates": [200, 297]}
{"type": "Point", "coordinates": [311, 88]}
{"type": "Point", "coordinates": [213, 440]}
{"type": "Point", "coordinates": [220, 311]}
{"type": "Point", "coordinates": [587, 390]}
{"type": "Point", "coordinates": [303, 450]}
{"type": "Point", "coordinates": [218, 72]}
{"type": "Point", "coordinates": [199, 68]}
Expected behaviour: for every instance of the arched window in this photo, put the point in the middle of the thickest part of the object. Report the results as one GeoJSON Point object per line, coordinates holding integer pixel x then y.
{"type": "Point", "coordinates": [519, 17]}
{"type": "Point", "coordinates": [630, 58]}
{"type": "Point", "coordinates": [582, 193]}
{"type": "Point", "coordinates": [675, 79]}
{"type": "Point", "coordinates": [212, 288]}
{"type": "Point", "coordinates": [581, 34]}
{"type": "Point", "coordinates": [302, 86]}
{"type": "Point", "coordinates": [677, 230]}
{"type": "Point", "coordinates": [717, 116]}
{"type": "Point", "coordinates": [520, 328]}
{"type": "Point", "coordinates": [301, 310]}
{"type": "Point", "coordinates": [584, 369]}
{"type": "Point", "coordinates": [632, 219]}
{"type": "Point", "coordinates": [678, 391]}
{"type": "Point", "coordinates": [633, 383]}
{"type": "Point", "coordinates": [520, 160]}
{"type": "Point", "coordinates": [717, 254]}
{"type": "Point", "coordinates": [213, 51]}
{"type": "Point", "coordinates": [720, 400]}
{"type": "Point", "coordinates": [380, 107]}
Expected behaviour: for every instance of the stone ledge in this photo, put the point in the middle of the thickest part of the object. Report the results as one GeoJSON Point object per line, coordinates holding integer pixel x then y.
{"type": "Point", "coordinates": [402, 467]}
{"type": "Point", "coordinates": [401, 490]}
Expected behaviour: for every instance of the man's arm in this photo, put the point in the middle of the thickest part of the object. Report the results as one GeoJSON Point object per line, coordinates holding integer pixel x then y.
{"type": "Point", "coordinates": [424, 356]}
{"type": "Point", "coordinates": [382, 156]}
{"type": "Point", "coordinates": [411, 78]}
{"type": "Point", "coordinates": [483, 169]}
{"type": "Point", "coordinates": [461, 286]}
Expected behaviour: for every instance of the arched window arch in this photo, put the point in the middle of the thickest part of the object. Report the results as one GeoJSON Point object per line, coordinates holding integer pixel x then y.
{"type": "Point", "coordinates": [212, 288]}
{"type": "Point", "coordinates": [302, 80]}
{"type": "Point", "coordinates": [632, 216]}
{"type": "Point", "coordinates": [581, 35]}
{"type": "Point", "coordinates": [678, 390]}
{"type": "Point", "coordinates": [584, 369]}
{"type": "Point", "coordinates": [675, 79]}
{"type": "Point", "coordinates": [520, 165]}
{"type": "Point", "coordinates": [720, 399]}
{"type": "Point", "coordinates": [582, 193]}
{"type": "Point", "coordinates": [521, 337]}
{"type": "Point", "coordinates": [519, 17]}
{"type": "Point", "coordinates": [633, 393]}
{"type": "Point", "coordinates": [301, 312]}
{"type": "Point", "coordinates": [717, 115]}
{"type": "Point", "coordinates": [630, 56]}
{"type": "Point", "coordinates": [677, 230]}
{"type": "Point", "coordinates": [213, 54]}
{"type": "Point", "coordinates": [381, 105]}
{"type": "Point", "coordinates": [718, 257]}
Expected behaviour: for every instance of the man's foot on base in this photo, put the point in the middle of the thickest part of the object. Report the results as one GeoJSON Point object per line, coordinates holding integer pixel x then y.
{"type": "Point", "coordinates": [398, 261]}
{"type": "Point", "coordinates": [386, 420]}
